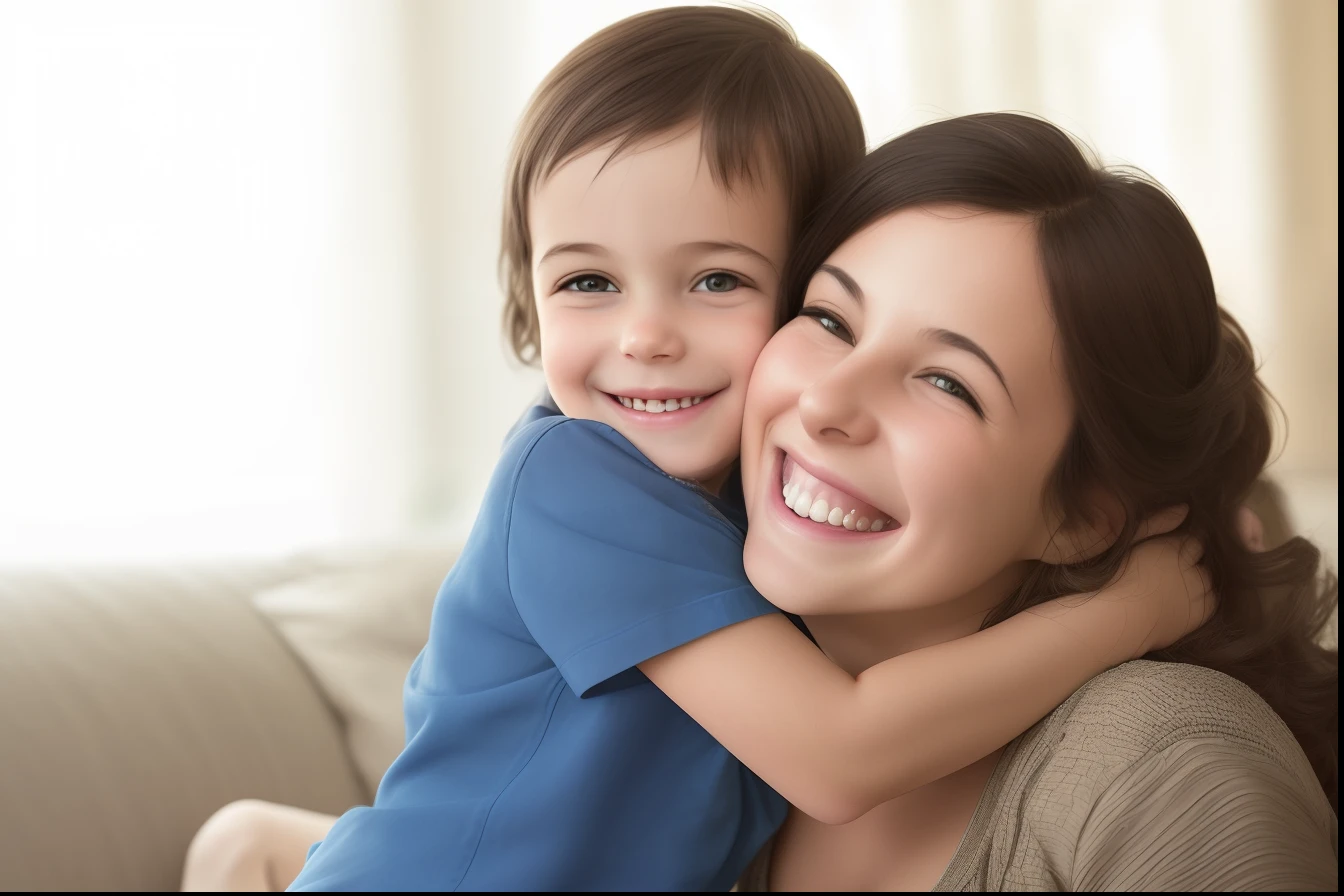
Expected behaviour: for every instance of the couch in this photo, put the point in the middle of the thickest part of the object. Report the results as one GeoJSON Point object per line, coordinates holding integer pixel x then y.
{"type": "Point", "coordinates": [136, 702]}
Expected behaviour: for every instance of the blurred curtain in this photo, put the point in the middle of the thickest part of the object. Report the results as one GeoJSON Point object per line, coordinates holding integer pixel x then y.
{"type": "Point", "coordinates": [207, 277]}
{"type": "Point", "coordinates": [247, 248]}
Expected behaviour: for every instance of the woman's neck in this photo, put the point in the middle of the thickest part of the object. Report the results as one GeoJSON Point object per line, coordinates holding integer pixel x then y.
{"type": "Point", "coordinates": [906, 843]}
{"type": "Point", "coordinates": [858, 641]}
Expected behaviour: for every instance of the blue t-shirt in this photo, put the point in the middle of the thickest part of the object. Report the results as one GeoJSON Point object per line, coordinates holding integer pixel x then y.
{"type": "Point", "coordinates": [538, 757]}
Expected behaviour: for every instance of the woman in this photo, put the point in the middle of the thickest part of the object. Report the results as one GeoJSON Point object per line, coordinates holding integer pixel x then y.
{"type": "Point", "coordinates": [1019, 355]}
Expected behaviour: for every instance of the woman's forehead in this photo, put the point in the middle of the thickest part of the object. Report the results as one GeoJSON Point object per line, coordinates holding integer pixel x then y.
{"type": "Point", "coordinates": [978, 266]}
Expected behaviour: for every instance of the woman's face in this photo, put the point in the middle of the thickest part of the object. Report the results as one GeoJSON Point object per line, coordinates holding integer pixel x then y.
{"type": "Point", "coordinates": [899, 433]}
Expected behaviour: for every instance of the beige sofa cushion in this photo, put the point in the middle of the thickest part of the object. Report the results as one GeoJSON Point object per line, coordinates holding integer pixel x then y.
{"type": "Point", "coordinates": [136, 702]}
{"type": "Point", "coordinates": [358, 630]}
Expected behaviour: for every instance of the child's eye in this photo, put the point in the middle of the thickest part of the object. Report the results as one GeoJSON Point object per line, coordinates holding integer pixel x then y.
{"type": "Point", "coordinates": [589, 283]}
{"type": "Point", "coordinates": [829, 321]}
{"type": "Point", "coordinates": [953, 388]}
{"type": "Point", "coordinates": [719, 281]}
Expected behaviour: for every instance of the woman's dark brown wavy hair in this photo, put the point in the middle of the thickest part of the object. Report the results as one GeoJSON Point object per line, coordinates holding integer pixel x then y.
{"type": "Point", "coordinates": [1169, 408]}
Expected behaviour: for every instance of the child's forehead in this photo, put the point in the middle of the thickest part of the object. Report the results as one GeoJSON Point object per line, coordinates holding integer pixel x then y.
{"type": "Point", "coordinates": [684, 156]}
{"type": "Point", "coordinates": [660, 190]}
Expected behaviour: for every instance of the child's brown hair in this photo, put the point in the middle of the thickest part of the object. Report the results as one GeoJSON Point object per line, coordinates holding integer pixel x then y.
{"type": "Point", "coordinates": [740, 74]}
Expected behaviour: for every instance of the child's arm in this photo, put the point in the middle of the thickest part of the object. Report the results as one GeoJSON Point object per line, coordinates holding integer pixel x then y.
{"type": "Point", "coordinates": [835, 746]}
{"type": "Point", "coordinates": [615, 568]}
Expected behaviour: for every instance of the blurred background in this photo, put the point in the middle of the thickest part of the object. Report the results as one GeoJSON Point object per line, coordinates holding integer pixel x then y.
{"type": "Point", "coordinates": [247, 249]}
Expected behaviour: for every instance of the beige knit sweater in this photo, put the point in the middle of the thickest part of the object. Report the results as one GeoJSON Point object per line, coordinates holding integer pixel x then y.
{"type": "Point", "coordinates": [1152, 776]}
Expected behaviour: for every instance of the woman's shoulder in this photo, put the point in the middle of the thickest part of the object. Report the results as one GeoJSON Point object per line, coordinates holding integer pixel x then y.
{"type": "Point", "coordinates": [1142, 711]}
{"type": "Point", "coordinates": [1144, 758]}
{"type": "Point", "coordinates": [1142, 706]}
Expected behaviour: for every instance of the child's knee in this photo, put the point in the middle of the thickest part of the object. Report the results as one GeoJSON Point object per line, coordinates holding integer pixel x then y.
{"type": "Point", "coordinates": [228, 852]}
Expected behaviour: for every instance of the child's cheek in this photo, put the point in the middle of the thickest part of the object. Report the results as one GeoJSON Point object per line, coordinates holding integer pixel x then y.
{"type": "Point", "coordinates": [567, 358]}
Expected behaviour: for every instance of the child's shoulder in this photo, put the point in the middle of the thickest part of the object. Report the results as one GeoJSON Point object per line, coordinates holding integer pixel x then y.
{"type": "Point", "coordinates": [562, 467]}
{"type": "Point", "coordinates": [547, 439]}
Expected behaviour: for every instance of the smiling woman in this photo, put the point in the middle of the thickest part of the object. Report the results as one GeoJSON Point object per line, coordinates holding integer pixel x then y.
{"type": "Point", "coordinates": [1020, 356]}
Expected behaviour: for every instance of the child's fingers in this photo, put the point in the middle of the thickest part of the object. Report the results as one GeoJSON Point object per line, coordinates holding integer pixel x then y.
{"type": "Point", "coordinates": [1162, 522]}
{"type": "Point", "coordinates": [1191, 552]}
{"type": "Point", "coordinates": [1251, 530]}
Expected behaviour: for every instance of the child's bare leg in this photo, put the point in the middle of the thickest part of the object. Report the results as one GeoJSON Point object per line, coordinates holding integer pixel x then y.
{"type": "Point", "coordinates": [252, 846]}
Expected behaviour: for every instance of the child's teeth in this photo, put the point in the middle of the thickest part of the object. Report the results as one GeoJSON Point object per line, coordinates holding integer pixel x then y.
{"type": "Point", "coordinates": [802, 505]}
{"type": "Point", "coordinates": [862, 524]}
{"type": "Point", "coordinates": [657, 405]}
{"type": "Point", "coordinates": [836, 516]}
{"type": "Point", "coordinates": [848, 521]}
{"type": "Point", "coordinates": [820, 510]}
{"type": "Point", "coordinates": [876, 527]}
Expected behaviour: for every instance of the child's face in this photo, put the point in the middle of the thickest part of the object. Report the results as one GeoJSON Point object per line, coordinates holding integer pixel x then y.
{"type": "Point", "coordinates": [656, 289]}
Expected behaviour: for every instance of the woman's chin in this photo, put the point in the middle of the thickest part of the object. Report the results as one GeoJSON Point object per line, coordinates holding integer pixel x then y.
{"type": "Point", "coordinates": [786, 586]}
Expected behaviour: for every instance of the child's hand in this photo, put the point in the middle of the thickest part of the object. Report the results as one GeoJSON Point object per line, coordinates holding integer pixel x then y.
{"type": "Point", "coordinates": [1160, 595]}
{"type": "Point", "coordinates": [1251, 530]}
{"type": "Point", "coordinates": [1166, 593]}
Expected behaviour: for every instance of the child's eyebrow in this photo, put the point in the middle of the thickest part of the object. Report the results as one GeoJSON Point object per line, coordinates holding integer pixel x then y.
{"type": "Point", "coordinates": [699, 246]}
{"type": "Point", "coordinates": [729, 246]}
{"type": "Point", "coordinates": [577, 248]}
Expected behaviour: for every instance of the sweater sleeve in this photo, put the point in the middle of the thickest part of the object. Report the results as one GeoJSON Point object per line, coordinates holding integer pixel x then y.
{"type": "Point", "coordinates": [1209, 814]}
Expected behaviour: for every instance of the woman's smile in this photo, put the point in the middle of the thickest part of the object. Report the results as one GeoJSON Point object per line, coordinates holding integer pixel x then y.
{"type": "Point", "coordinates": [810, 502]}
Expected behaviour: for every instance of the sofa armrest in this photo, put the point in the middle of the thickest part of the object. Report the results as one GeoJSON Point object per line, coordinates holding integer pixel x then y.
{"type": "Point", "coordinates": [133, 704]}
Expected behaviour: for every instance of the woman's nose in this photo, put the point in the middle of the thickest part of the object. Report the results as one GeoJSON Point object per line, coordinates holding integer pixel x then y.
{"type": "Point", "coordinates": [652, 335]}
{"type": "Point", "coordinates": [836, 408]}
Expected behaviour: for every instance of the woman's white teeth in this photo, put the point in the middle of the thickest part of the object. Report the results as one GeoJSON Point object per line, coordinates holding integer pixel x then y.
{"type": "Point", "coordinates": [819, 511]}
{"type": "Point", "coordinates": [658, 405]}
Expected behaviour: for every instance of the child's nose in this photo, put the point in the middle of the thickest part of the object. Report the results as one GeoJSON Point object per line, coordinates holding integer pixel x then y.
{"type": "Point", "coordinates": [652, 336]}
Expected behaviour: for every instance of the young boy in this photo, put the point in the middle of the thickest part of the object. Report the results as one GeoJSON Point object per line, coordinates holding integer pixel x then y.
{"type": "Point", "coordinates": [554, 719]}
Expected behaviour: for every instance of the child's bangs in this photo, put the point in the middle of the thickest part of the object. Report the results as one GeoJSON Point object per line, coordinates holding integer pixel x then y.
{"type": "Point", "coordinates": [737, 149]}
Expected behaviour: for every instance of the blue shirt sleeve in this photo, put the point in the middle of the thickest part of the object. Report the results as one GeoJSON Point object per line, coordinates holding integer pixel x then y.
{"type": "Point", "coordinates": [611, 561]}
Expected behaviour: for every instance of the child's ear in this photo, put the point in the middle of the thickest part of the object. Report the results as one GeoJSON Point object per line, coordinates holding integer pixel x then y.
{"type": "Point", "coordinates": [1091, 532]}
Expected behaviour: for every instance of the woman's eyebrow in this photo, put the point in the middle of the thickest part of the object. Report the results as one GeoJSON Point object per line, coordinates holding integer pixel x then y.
{"type": "Point", "coordinates": [966, 344]}
{"type": "Point", "coordinates": [847, 282]}
{"type": "Point", "coordinates": [580, 248]}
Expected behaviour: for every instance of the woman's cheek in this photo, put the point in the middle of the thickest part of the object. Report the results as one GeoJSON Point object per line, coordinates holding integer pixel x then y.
{"type": "Point", "coordinates": [947, 474]}
{"type": "Point", "coordinates": [772, 394]}
{"type": "Point", "coordinates": [789, 363]}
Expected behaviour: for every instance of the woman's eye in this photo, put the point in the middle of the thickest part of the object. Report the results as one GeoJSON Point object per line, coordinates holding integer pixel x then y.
{"type": "Point", "coordinates": [589, 283]}
{"type": "Point", "coordinates": [829, 322]}
{"type": "Point", "coordinates": [719, 282]}
{"type": "Point", "coordinates": [953, 388]}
